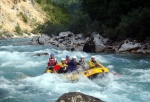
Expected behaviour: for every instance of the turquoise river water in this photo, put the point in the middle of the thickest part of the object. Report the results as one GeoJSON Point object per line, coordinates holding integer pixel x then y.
{"type": "Point", "coordinates": [22, 78]}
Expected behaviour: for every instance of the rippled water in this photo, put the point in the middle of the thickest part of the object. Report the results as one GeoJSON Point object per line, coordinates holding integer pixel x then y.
{"type": "Point", "coordinates": [22, 78]}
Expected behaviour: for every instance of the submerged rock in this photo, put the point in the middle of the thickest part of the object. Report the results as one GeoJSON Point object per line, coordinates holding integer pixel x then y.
{"type": "Point", "coordinates": [40, 54]}
{"type": "Point", "coordinates": [77, 97]}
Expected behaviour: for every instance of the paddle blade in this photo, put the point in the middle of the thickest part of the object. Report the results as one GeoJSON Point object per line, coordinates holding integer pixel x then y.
{"type": "Point", "coordinates": [57, 67]}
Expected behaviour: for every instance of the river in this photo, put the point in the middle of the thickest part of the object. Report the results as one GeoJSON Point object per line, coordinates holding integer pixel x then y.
{"type": "Point", "coordinates": [22, 78]}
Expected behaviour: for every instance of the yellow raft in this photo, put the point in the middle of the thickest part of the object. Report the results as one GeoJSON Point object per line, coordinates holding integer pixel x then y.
{"type": "Point", "coordinates": [90, 73]}
{"type": "Point", "coordinates": [94, 71]}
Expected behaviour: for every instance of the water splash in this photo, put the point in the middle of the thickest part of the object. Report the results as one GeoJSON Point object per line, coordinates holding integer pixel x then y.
{"type": "Point", "coordinates": [22, 78]}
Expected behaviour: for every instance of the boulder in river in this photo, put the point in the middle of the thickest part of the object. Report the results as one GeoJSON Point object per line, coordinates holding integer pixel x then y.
{"type": "Point", "coordinates": [128, 45]}
{"type": "Point", "coordinates": [77, 97]}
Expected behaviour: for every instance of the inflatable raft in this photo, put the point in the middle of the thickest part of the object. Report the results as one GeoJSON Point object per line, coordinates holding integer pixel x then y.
{"type": "Point", "coordinates": [90, 73]}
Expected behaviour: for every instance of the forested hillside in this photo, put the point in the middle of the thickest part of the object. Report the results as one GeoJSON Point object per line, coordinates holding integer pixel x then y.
{"type": "Point", "coordinates": [116, 19]}
{"type": "Point", "coordinates": [120, 18]}
{"type": "Point", "coordinates": [63, 15]}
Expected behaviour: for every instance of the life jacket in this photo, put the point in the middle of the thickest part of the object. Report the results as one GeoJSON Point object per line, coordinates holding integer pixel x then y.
{"type": "Point", "coordinates": [72, 65]}
{"type": "Point", "coordinates": [48, 71]}
{"type": "Point", "coordinates": [92, 64]}
{"type": "Point", "coordinates": [52, 62]}
{"type": "Point", "coordinates": [82, 62]}
{"type": "Point", "coordinates": [66, 61]}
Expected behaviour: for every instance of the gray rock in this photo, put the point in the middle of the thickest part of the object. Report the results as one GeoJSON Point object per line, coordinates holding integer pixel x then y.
{"type": "Point", "coordinates": [99, 47]}
{"type": "Point", "coordinates": [77, 97]}
{"type": "Point", "coordinates": [99, 39]}
{"type": "Point", "coordinates": [99, 44]}
{"type": "Point", "coordinates": [60, 40]}
{"type": "Point", "coordinates": [128, 45]}
{"type": "Point", "coordinates": [65, 34]}
{"type": "Point", "coordinates": [43, 38]}
{"type": "Point", "coordinates": [2, 38]}
{"type": "Point", "coordinates": [79, 36]}
{"type": "Point", "coordinates": [35, 39]}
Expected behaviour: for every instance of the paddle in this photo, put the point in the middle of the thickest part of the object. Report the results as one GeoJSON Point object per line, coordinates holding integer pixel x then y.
{"type": "Point", "coordinates": [56, 67]}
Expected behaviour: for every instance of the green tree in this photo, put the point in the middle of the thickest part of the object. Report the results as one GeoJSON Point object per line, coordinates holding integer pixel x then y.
{"type": "Point", "coordinates": [120, 17]}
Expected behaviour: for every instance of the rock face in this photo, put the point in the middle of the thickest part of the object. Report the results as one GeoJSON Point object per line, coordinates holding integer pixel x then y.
{"type": "Point", "coordinates": [13, 11]}
{"type": "Point", "coordinates": [77, 97]}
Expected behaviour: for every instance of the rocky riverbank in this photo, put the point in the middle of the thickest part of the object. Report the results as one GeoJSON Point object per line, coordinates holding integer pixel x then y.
{"type": "Point", "coordinates": [94, 43]}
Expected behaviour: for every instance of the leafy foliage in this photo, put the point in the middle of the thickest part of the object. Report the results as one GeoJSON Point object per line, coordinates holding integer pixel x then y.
{"type": "Point", "coordinates": [120, 18]}
{"type": "Point", "coordinates": [18, 29]}
{"type": "Point", "coordinates": [58, 17]}
{"type": "Point", "coordinates": [24, 17]}
{"type": "Point", "coordinates": [65, 15]}
{"type": "Point", "coordinates": [82, 23]}
{"type": "Point", "coordinates": [116, 19]}
{"type": "Point", "coordinates": [56, 14]}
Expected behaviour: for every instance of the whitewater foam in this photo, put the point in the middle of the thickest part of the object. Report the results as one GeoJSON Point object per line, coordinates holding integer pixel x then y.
{"type": "Point", "coordinates": [21, 74]}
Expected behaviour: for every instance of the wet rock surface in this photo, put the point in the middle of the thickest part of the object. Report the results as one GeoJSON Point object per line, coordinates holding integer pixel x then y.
{"type": "Point", "coordinates": [77, 97]}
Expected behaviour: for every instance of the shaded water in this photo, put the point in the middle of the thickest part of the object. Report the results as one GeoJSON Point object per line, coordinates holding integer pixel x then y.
{"type": "Point", "coordinates": [22, 78]}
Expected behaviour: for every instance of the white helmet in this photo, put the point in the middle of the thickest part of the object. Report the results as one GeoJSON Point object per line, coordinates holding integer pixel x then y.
{"type": "Point", "coordinates": [93, 57]}
{"type": "Point", "coordinates": [74, 57]}
{"type": "Point", "coordinates": [82, 56]}
{"type": "Point", "coordinates": [63, 59]}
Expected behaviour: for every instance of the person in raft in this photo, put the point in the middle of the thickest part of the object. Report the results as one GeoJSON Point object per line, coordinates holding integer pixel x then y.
{"type": "Point", "coordinates": [67, 59]}
{"type": "Point", "coordinates": [52, 61]}
{"type": "Point", "coordinates": [72, 64]}
{"type": "Point", "coordinates": [93, 63]}
{"type": "Point", "coordinates": [63, 66]}
{"type": "Point", "coordinates": [82, 63]}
